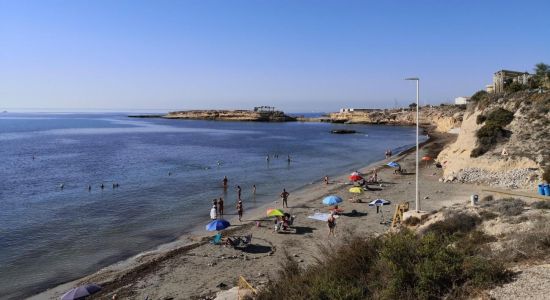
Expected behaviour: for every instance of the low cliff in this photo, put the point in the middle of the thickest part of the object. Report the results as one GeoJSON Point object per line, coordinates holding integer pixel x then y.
{"type": "Point", "coordinates": [503, 141]}
{"type": "Point", "coordinates": [442, 118]}
{"type": "Point", "coordinates": [230, 115]}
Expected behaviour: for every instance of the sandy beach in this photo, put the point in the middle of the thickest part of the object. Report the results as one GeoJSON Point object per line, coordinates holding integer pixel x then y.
{"type": "Point", "coordinates": [193, 268]}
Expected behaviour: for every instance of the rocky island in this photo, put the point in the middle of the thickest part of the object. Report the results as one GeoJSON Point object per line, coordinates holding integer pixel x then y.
{"type": "Point", "coordinates": [259, 114]}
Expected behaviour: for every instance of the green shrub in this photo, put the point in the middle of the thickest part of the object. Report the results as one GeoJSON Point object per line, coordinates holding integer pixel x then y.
{"type": "Point", "coordinates": [399, 265]}
{"type": "Point", "coordinates": [500, 117]}
{"type": "Point", "coordinates": [479, 96]}
{"type": "Point", "coordinates": [515, 87]}
{"type": "Point", "coordinates": [480, 119]}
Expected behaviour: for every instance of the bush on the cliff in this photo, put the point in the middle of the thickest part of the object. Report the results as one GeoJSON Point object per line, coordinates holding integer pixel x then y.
{"type": "Point", "coordinates": [398, 265]}
{"type": "Point", "coordinates": [500, 117]}
{"type": "Point", "coordinates": [480, 119]}
{"type": "Point", "coordinates": [515, 87]}
{"type": "Point", "coordinates": [489, 135]}
{"type": "Point", "coordinates": [479, 96]}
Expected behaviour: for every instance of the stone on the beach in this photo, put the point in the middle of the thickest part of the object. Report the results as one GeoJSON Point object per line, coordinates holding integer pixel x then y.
{"type": "Point", "coordinates": [295, 255]}
{"type": "Point", "coordinates": [426, 198]}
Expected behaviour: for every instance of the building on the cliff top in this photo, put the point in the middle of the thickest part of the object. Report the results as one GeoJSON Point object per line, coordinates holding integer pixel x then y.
{"type": "Point", "coordinates": [461, 100]}
{"type": "Point", "coordinates": [503, 78]}
{"type": "Point", "coordinates": [264, 109]}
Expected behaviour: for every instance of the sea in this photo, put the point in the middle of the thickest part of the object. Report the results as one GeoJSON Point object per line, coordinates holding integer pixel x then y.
{"type": "Point", "coordinates": [58, 224]}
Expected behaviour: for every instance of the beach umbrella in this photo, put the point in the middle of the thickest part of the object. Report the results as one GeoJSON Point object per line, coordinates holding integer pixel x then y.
{"type": "Point", "coordinates": [275, 212]}
{"type": "Point", "coordinates": [81, 292]}
{"type": "Point", "coordinates": [393, 164]}
{"type": "Point", "coordinates": [217, 225]}
{"type": "Point", "coordinates": [332, 200]}
{"type": "Point", "coordinates": [426, 159]}
{"type": "Point", "coordinates": [355, 177]}
{"type": "Point", "coordinates": [379, 202]}
{"type": "Point", "coordinates": [356, 190]}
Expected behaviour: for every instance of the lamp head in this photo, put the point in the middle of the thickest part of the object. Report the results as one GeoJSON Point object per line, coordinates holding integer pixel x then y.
{"type": "Point", "coordinates": [412, 78]}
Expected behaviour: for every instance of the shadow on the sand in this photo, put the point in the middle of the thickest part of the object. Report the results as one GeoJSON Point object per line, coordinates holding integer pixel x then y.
{"type": "Point", "coordinates": [257, 249]}
{"type": "Point", "coordinates": [303, 229]}
{"type": "Point", "coordinates": [354, 214]}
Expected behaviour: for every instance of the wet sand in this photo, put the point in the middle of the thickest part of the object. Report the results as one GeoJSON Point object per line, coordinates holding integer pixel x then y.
{"type": "Point", "coordinates": [193, 267]}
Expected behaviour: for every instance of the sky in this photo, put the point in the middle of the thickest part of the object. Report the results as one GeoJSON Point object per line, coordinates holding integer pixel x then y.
{"type": "Point", "coordinates": [300, 56]}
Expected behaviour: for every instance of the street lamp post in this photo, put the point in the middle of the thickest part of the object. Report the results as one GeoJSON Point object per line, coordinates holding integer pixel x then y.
{"type": "Point", "coordinates": [417, 201]}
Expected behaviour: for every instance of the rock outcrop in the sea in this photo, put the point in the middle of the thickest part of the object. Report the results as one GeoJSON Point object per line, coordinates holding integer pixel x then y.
{"type": "Point", "coordinates": [231, 115]}
{"type": "Point", "coordinates": [517, 156]}
{"type": "Point", "coordinates": [442, 118]}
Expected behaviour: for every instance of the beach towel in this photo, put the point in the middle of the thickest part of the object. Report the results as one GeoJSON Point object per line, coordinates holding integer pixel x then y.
{"type": "Point", "coordinates": [321, 216]}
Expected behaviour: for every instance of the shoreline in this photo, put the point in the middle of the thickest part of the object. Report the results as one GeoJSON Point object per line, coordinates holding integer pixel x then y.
{"type": "Point", "coordinates": [113, 276]}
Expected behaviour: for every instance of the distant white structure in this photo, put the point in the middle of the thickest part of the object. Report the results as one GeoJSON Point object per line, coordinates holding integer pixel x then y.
{"type": "Point", "coordinates": [461, 100]}
{"type": "Point", "coordinates": [348, 110]}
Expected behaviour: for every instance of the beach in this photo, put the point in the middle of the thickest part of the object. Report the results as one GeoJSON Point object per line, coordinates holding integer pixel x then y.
{"type": "Point", "coordinates": [195, 268]}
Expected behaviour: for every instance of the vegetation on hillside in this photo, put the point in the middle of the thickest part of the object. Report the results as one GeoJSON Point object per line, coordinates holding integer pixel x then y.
{"type": "Point", "coordinates": [492, 131]}
{"type": "Point", "coordinates": [450, 260]}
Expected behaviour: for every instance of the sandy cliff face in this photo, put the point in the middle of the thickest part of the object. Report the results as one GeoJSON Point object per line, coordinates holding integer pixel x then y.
{"type": "Point", "coordinates": [442, 118]}
{"type": "Point", "coordinates": [230, 115]}
{"type": "Point", "coordinates": [526, 150]}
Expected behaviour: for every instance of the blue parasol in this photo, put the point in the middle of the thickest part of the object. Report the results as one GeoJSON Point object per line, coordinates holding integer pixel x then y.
{"type": "Point", "coordinates": [81, 292]}
{"type": "Point", "coordinates": [393, 164]}
{"type": "Point", "coordinates": [332, 200]}
{"type": "Point", "coordinates": [379, 202]}
{"type": "Point", "coordinates": [217, 225]}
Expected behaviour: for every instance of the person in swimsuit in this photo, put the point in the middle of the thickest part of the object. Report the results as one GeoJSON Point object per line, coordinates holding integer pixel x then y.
{"type": "Point", "coordinates": [240, 210]}
{"type": "Point", "coordinates": [215, 204]}
{"type": "Point", "coordinates": [220, 206]}
{"type": "Point", "coordinates": [225, 180]}
{"type": "Point", "coordinates": [284, 196]}
{"type": "Point", "coordinates": [331, 225]}
{"type": "Point", "coordinates": [239, 192]}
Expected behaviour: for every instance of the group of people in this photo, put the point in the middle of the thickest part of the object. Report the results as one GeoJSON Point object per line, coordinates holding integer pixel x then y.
{"type": "Point", "coordinates": [268, 158]}
{"type": "Point", "coordinates": [283, 222]}
{"type": "Point", "coordinates": [218, 204]}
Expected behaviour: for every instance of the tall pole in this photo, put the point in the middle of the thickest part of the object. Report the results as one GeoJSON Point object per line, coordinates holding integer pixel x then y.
{"type": "Point", "coordinates": [417, 203]}
{"type": "Point", "coordinates": [417, 192]}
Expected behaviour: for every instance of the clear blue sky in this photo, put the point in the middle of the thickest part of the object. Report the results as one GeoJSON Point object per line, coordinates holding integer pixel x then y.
{"type": "Point", "coordinates": [297, 55]}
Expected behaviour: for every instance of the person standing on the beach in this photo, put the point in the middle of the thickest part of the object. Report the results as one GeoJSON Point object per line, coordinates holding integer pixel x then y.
{"type": "Point", "coordinates": [240, 210]}
{"type": "Point", "coordinates": [288, 159]}
{"type": "Point", "coordinates": [213, 214]}
{"type": "Point", "coordinates": [225, 180]}
{"type": "Point", "coordinates": [284, 196]}
{"type": "Point", "coordinates": [253, 189]}
{"type": "Point", "coordinates": [220, 206]}
{"type": "Point", "coordinates": [215, 204]}
{"type": "Point", "coordinates": [326, 179]}
{"type": "Point", "coordinates": [331, 221]}
{"type": "Point", "coordinates": [239, 192]}
{"type": "Point", "coordinates": [267, 158]}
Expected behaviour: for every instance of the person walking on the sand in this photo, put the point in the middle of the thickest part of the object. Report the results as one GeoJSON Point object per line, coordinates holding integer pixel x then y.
{"type": "Point", "coordinates": [331, 221]}
{"type": "Point", "coordinates": [284, 196]}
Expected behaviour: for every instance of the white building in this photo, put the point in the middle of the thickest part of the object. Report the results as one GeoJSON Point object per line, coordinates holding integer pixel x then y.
{"type": "Point", "coordinates": [461, 100]}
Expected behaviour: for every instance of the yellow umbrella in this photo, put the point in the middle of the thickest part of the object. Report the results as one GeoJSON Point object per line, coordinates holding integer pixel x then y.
{"type": "Point", "coordinates": [356, 190]}
{"type": "Point", "coordinates": [275, 213]}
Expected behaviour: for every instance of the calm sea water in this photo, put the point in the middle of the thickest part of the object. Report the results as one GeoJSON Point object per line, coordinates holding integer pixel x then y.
{"type": "Point", "coordinates": [50, 235]}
